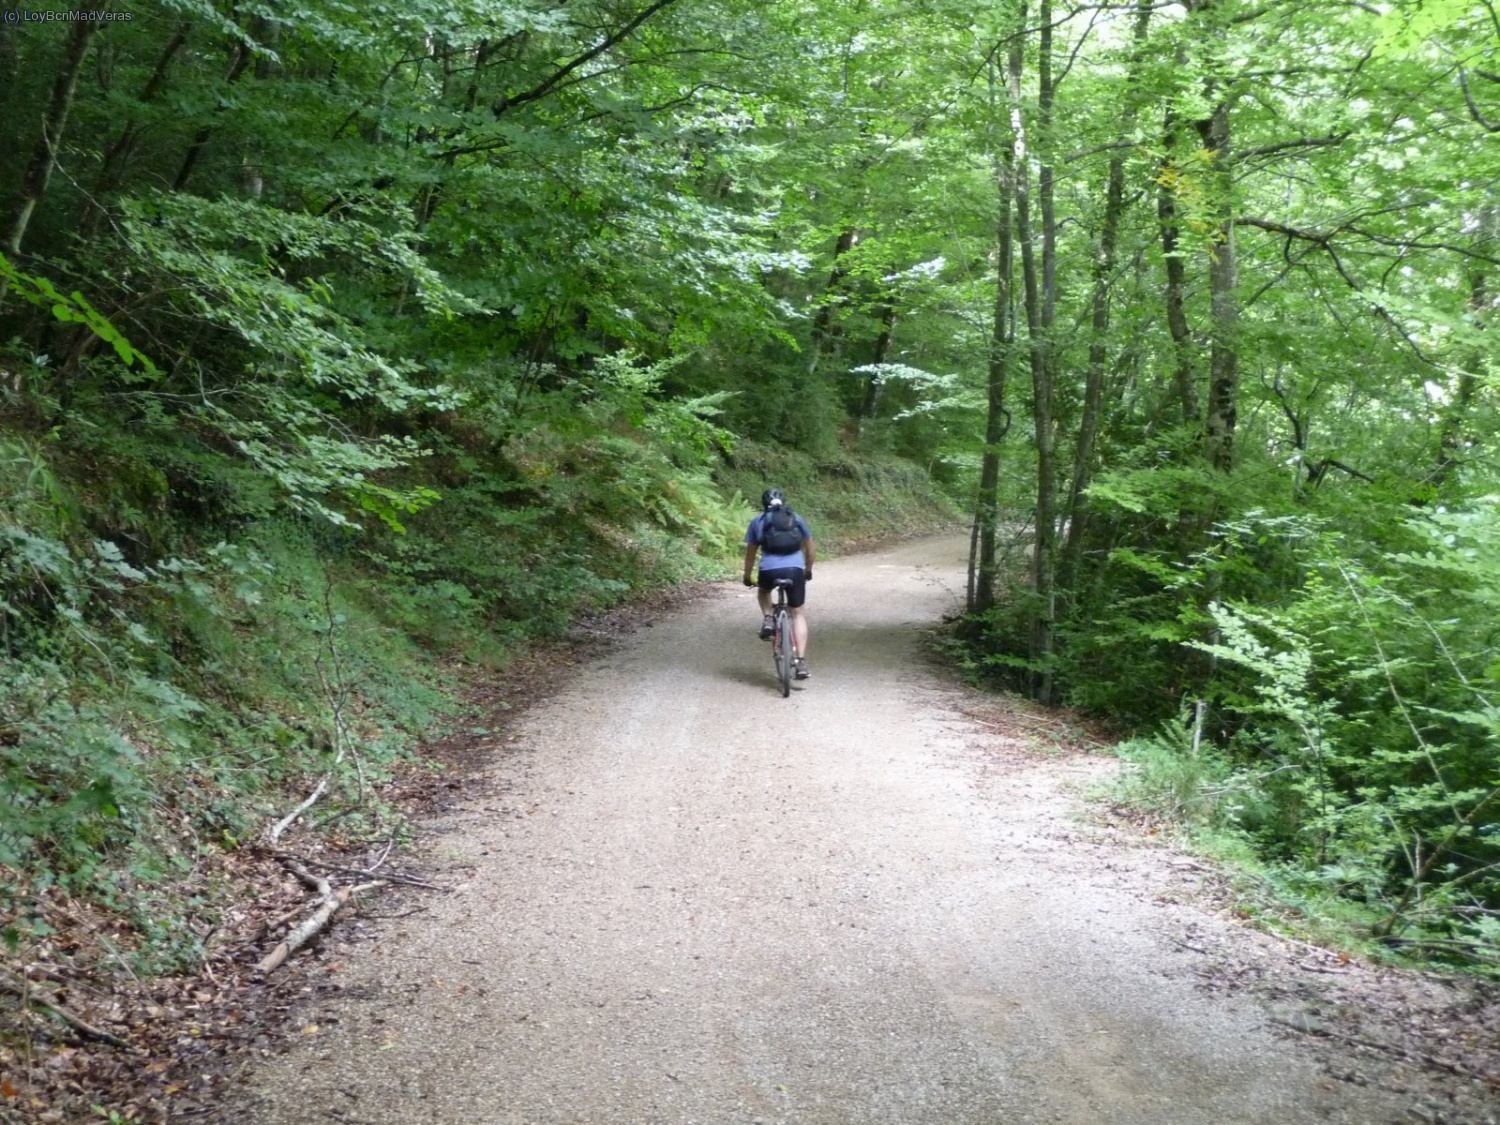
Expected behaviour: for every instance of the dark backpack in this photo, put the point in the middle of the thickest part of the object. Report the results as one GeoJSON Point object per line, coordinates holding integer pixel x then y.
{"type": "Point", "coordinates": [779, 533]}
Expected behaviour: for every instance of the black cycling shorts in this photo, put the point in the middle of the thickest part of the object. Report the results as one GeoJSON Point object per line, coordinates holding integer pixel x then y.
{"type": "Point", "coordinates": [797, 593]}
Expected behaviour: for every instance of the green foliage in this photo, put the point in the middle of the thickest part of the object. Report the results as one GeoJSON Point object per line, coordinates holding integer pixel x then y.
{"type": "Point", "coordinates": [73, 308]}
{"type": "Point", "coordinates": [1175, 774]}
{"type": "Point", "coordinates": [849, 500]}
{"type": "Point", "coordinates": [1354, 722]}
{"type": "Point", "coordinates": [258, 274]}
{"type": "Point", "coordinates": [148, 710]}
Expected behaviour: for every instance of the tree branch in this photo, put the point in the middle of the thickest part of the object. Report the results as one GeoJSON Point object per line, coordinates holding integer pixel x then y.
{"type": "Point", "coordinates": [314, 925]}
{"type": "Point", "coordinates": [543, 88]}
{"type": "Point", "coordinates": [1300, 142]}
{"type": "Point", "coordinates": [1494, 18]}
{"type": "Point", "coordinates": [1318, 470]}
{"type": "Point", "coordinates": [1084, 153]}
{"type": "Point", "coordinates": [1282, 228]}
{"type": "Point", "coordinates": [1324, 238]}
{"type": "Point", "coordinates": [1474, 112]}
{"type": "Point", "coordinates": [1325, 242]}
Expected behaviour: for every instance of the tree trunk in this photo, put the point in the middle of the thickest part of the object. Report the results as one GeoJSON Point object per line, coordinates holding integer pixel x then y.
{"type": "Point", "coordinates": [1451, 436]}
{"type": "Point", "coordinates": [823, 327]}
{"type": "Point", "coordinates": [1070, 565]}
{"type": "Point", "coordinates": [9, 63]}
{"type": "Point", "coordinates": [112, 171]}
{"type": "Point", "coordinates": [871, 400]}
{"type": "Point", "coordinates": [1040, 304]}
{"type": "Point", "coordinates": [54, 121]}
{"type": "Point", "coordinates": [1176, 270]}
{"type": "Point", "coordinates": [205, 134]}
{"type": "Point", "coordinates": [1223, 280]}
{"type": "Point", "coordinates": [983, 568]}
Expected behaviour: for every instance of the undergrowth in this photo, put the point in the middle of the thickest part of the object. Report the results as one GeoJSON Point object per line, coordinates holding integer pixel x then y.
{"type": "Point", "coordinates": [1344, 893]}
{"type": "Point", "coordinates": [1324, 696]}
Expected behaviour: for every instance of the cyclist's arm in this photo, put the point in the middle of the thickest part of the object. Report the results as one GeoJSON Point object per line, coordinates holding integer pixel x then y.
{"type": "Point", "coordinates": [807, 553]}
{"type": "Point", "coordinates": [750, 551]}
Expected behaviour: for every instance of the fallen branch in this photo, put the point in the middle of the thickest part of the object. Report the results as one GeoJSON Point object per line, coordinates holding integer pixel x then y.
{"type": "Point", "coordinates": [19, 986]}
{"type": "Point", "coordinates": [291, 818]}
{"type": "Point", "coordinates": [1308, 966]}
{"type": "Point", "coordinates": [314, 925]}
{"type": "Point", "coordinates": [388, 876]}
{"type": "Point", "coordinates": [329, 901]}
{"type": "Point", "coordinates": [1320, 950]}
{"type": "Point", "coordinates": [412, 913]}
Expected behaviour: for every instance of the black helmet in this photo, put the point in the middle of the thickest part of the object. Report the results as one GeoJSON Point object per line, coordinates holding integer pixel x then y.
{"type": "Point", "coordinates": [772, 498]}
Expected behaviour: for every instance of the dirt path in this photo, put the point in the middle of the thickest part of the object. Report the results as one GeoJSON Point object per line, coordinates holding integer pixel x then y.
{"type": "Point", "coordinates": [689, 900]}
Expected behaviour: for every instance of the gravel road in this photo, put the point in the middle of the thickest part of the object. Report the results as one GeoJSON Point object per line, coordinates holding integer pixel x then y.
{"type": "Point", "coordinates": [687, 900]}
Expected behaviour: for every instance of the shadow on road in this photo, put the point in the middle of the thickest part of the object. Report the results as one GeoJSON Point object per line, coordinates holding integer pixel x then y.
{"type": "Point", "coordinates": [835, 646]}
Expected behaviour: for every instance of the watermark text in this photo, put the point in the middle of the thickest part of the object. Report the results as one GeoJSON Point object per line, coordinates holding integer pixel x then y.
{"type": "Point", "coordinates": [63, 15]}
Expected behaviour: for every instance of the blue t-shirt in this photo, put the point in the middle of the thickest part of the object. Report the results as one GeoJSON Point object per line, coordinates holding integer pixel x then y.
{"type": "Point", "coordinates": [755, 533]}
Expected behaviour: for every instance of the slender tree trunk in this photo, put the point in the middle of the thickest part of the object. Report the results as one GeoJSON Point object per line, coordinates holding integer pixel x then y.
{"type": "Point", "coordinates": [997, 417]}
{"type": "Point", "coordinates": [9, 62]}
{"type": "Point", "coordinates": [1224, 282]}
{"type": "Point", "coordinates": [1451, 436]}
{"type": "Point", "coordinates": [1070, 565]}
{"type": "Point", "coordinates": [871, 400]}
{"type": "Point", "coordinates": [205, 134]}
{"type": "Point", "coordinates": [1040, 314]}
{"type": "Point", "coordinates": [54, 121]}
{"type": "Point", "coordinates": [1176, 270]}
{"type": "Point", "coordinates": [112, 171]}
{"type": "Point", "coordinates": [823, 326]}
{"type": "Point", "coordinates": [983, 567]}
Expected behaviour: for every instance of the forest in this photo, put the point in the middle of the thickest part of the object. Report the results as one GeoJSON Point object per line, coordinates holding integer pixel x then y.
{"type": "Point", "coordinates": [345, 349]}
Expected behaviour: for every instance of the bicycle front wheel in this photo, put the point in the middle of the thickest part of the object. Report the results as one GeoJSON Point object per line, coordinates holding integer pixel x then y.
{"type": "Point", "coordinates": [783, 652]}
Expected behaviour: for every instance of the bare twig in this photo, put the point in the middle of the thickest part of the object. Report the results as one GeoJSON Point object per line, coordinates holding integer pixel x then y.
{"type": "Point", "coordinates": [389, 844]}
{"type": "Point", "coordinates": [329, 901]}
{"type": "Point", "coordinates": [291, 818]}
{"type": "Point", "coordinates": [20, 986]}
{"type": "Point", "coordinates": [337, 692]}
{"type": "Point", "coordinates": [388, 876]}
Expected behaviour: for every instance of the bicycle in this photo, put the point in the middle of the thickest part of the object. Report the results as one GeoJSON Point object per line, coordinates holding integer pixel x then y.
{"type": "Point", "coordinates": [783, 643]}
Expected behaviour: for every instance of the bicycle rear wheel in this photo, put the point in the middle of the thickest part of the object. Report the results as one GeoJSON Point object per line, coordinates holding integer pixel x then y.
{"type": "Point", "coordinates": [783, 651]}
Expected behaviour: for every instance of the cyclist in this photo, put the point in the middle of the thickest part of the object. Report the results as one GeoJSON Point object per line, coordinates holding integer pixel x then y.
{"type": "Point", "coordinates": [784, 543]}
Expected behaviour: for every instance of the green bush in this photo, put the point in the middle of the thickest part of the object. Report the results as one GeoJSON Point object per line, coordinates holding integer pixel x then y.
{"type": "Point", "coordinates": [1352, 724]}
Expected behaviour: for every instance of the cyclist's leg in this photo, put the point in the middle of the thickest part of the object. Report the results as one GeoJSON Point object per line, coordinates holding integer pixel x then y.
{"type": "Point", "coordinates": [796, 595]}
{"type": "Point", "coordinates": [799, 637]}
{"type": "Point", "coordinates": [800, 632]}
{"type": "Point", "coordinates": [763, 596]}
